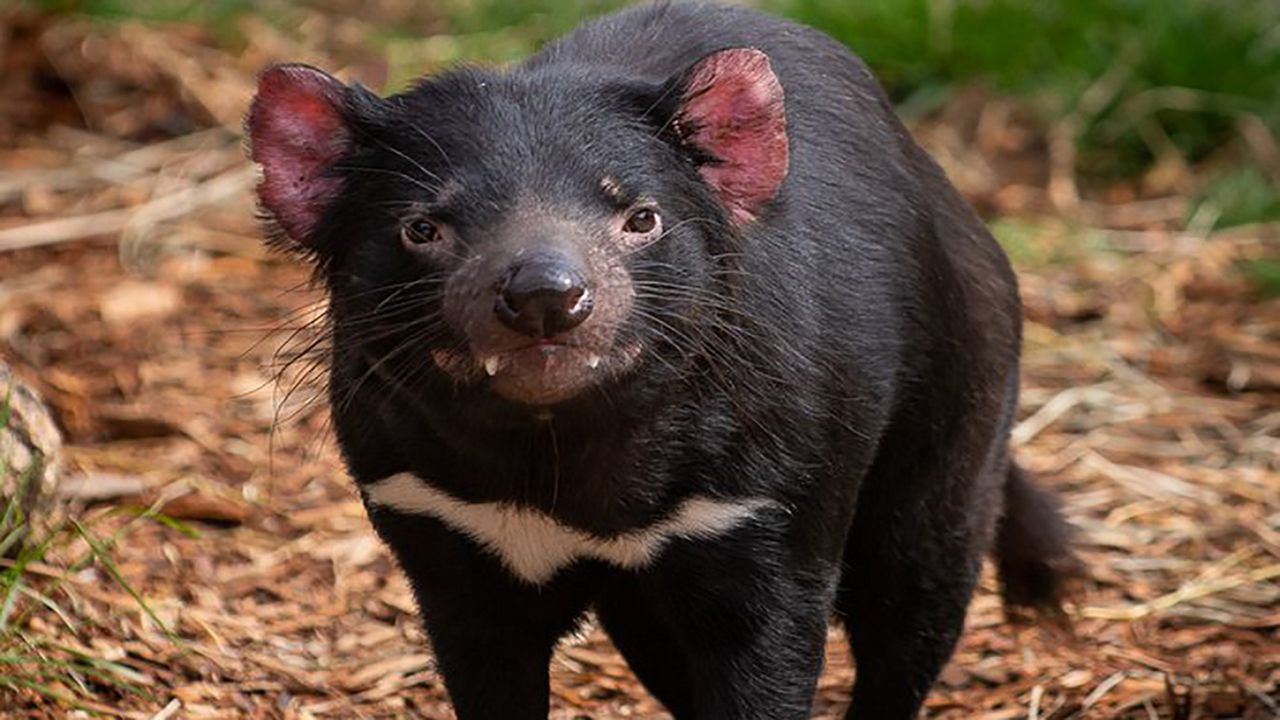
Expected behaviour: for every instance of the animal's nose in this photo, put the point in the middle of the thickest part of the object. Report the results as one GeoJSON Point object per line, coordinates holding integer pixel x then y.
{"type": "Point", "coordinates": [543, 295]}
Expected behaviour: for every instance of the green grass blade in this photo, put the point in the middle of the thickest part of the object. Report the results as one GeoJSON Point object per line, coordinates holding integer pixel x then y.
{"type": "Point", "coordinates": [100, 552]}
{"type": "Point", "coordinates": [53, 607]}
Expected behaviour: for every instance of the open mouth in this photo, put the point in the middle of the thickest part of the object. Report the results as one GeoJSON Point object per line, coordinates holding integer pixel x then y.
{"type": "Point", "coordinates": [540, 372]}
{"type": "Point", "coordinates": [543, 356]}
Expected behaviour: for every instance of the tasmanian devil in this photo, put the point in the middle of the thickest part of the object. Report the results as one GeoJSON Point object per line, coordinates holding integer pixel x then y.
{"type": "Point", "coordinates": [675, 323]}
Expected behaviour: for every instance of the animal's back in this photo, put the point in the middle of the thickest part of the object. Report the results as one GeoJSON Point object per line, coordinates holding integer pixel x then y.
{"type": "Point", "coordinates": [838, 118]}
{"type": "Point", "coordinates": [865, 216]}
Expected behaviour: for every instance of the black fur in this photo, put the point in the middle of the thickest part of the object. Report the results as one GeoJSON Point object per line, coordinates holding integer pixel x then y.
{"type": "Point", "coordinates": [852, 354]}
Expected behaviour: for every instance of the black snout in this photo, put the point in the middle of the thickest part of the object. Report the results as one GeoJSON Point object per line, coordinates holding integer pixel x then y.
{"type": "Point", "coordinates": [543, 295]}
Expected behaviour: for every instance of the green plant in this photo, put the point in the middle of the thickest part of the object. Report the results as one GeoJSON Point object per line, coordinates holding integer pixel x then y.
{"type": "Point", "coordinates": [1240, 196]}
{"type": "Point", "coordinates": [1158, 74]}
{"type": "Point", "coordinates": [1265, 275]}
{"type": "Point", "coordinates": [490, 31]}
{"type": "Point", "coordinates": [35, 570]}
{"type": "Point", "coordinates": [219, 16]}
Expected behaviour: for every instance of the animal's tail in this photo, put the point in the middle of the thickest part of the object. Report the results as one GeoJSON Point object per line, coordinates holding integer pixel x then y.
{"type": "Point", "coordinates": [1033, 545]}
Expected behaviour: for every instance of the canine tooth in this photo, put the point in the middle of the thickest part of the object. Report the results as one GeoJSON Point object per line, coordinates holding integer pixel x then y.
{"type": "Point", "coordinates": [491, 365]}
{"type": "Point", "coordinates": [593, 361]}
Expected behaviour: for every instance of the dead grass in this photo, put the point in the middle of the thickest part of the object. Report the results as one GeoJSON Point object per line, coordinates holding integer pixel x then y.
{"type": "Point", "coordinates": [134, 294]}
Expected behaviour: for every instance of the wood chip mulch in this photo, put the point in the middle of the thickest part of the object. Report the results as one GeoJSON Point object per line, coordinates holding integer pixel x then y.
{"type": "Point", "coordinates": [134, 294]}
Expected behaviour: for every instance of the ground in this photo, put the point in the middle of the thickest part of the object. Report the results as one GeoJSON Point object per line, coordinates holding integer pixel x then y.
{"type": "Point", "coordinates": [223, 565]}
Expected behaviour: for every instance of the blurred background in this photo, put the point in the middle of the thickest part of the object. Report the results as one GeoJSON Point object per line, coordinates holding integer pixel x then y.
{"type": "Point", "coordinates": [177, 537]}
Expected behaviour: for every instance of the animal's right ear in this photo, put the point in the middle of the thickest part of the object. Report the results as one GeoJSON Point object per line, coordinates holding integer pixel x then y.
{"type": "Point", "coordinates": [297, 132]}
{"type": "Point", "coordinates": [730, 112]}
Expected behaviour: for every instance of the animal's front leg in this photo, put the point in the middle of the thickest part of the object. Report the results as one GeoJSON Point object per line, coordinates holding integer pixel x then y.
{"type": "Point", "coordinates": [492, 633]}
{"type": "Point", "coordinates": [739, 617]}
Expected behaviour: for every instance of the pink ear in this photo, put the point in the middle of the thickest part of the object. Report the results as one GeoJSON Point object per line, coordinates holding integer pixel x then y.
{"type": "Point", "coordinates": [732, 109]}
{"type": "Point", "coordinates": [297, 132]}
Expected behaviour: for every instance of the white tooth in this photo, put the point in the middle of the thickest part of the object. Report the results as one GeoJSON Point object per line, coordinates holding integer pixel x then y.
{"type": "Point", "coordinates": [593, 361]}
{"type": "Point", "coordinates": [491, 365]}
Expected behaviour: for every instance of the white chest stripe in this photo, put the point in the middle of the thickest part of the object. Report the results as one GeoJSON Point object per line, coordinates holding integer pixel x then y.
{"type": "Point", "coordinates": [534, 546]}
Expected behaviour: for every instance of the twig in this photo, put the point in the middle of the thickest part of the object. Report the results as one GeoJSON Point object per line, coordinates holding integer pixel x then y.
{"type": "Point", "coordinates": [1103, 688]}
{"type": "Point", "coordinates": [118, 169]}
{"type": "Point", "coordinates": [1261, 695]}
{"type": "Point", "coordinates": [1056, 407]}
{"type": "Point", "coordinates": [1186, 593]}
{"type": "Point", "coordinates": [169, 710]}
{"type": "Point", "coordinates": [166, 207]}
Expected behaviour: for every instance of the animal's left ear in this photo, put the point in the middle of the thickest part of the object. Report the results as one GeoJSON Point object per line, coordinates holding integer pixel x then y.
{"type": "Point", "coordinates": [730, 112]}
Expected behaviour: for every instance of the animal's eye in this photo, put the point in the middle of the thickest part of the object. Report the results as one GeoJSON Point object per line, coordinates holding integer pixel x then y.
{"type": "Point", "coordinates": [641, 221]}
{"type": "Point", "coordinates": [420, 231]}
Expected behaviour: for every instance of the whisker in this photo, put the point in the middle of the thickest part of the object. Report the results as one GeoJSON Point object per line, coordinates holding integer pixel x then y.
{"type": "Point", "coordinates": [427, 136]}
{"type": "Point", "coordinates": [430, 175]}
{"type": "Point", "coordinates": [394, 173]}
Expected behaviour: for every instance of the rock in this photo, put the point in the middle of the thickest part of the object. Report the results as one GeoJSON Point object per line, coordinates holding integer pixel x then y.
{"type": "Point", "coordinates": [30, 455]}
